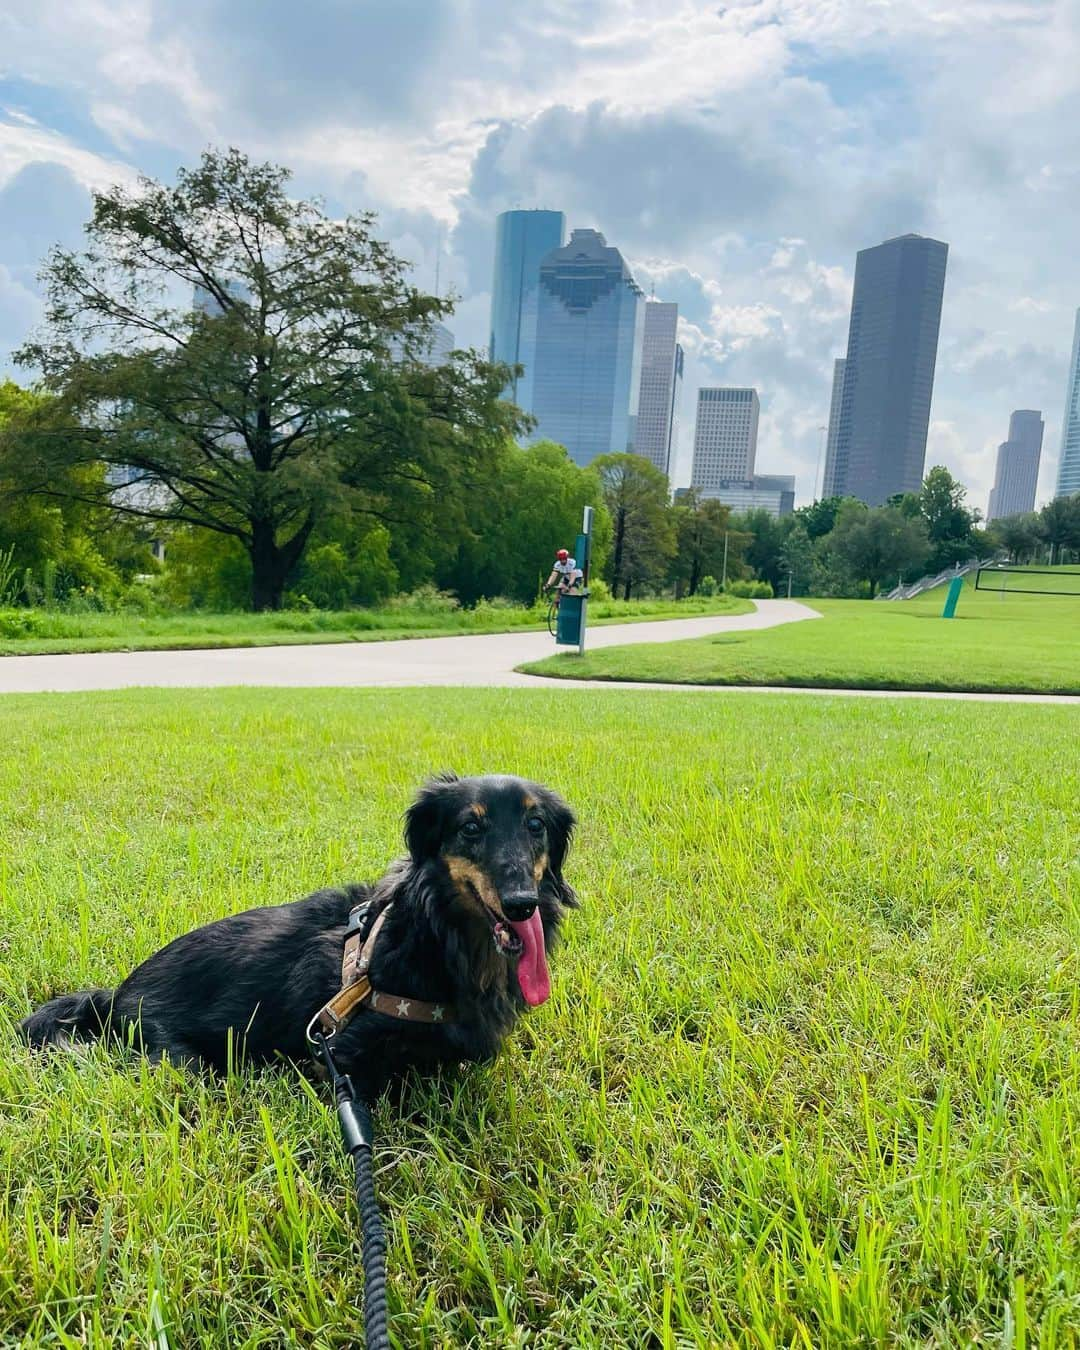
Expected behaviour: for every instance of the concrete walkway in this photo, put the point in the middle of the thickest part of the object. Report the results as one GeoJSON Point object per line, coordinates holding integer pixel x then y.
{"type": "Point", "coordinates": [484, 659]}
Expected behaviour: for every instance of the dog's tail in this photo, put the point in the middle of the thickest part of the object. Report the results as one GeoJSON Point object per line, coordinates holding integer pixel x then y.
{"type": "Point", "coordinates": [71, 1017]}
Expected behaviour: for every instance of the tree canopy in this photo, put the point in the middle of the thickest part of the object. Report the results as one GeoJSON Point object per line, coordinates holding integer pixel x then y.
{"type": "Point", "coordinates": [243, 363]}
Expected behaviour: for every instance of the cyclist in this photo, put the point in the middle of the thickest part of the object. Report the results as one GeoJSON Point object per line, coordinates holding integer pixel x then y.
{"type": "Point", "coordinates": [565, 574]}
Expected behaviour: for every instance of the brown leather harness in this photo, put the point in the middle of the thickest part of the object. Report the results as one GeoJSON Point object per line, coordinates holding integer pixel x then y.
{"type": "Point", "coordinates": [356, 992]}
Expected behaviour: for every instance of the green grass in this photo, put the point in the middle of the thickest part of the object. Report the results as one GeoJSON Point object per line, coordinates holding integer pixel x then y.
{"type": "Point", "coordinates": [48, 632]}
{"type": "Point", "coordinates": [1014, 644]}
{"type": "Point", "coordinates": [810, 1075]}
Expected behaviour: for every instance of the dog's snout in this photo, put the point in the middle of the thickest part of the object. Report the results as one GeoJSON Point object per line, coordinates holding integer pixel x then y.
{"type": "Point", "coordinates": [519, 907]}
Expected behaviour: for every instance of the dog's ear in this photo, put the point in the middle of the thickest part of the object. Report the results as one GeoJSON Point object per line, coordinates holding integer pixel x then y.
{"type": "Point", "coordinates": [424, 819]}
{"type": "Point", "coordinates": [560, 825]}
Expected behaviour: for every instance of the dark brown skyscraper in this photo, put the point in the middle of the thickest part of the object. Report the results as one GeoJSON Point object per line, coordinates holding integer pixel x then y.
{"type": "Point", "coordinates": [880, 443]}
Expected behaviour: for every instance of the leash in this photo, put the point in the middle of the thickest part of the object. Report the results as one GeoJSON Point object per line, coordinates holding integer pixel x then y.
{"type": "Point", "coordinates": [357, 1137]}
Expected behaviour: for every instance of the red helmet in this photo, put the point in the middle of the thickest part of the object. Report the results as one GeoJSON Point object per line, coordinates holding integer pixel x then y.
{"type": "Point", "coordinates": [562, 555]}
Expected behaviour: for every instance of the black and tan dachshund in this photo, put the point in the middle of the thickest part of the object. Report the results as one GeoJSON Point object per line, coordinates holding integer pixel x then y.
{"type": "Point", "coordinates": [470, 916]}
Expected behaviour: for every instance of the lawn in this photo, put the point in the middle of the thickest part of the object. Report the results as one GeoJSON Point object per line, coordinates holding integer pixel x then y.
{"type": "Point", "coordinates": [810, 1074]}
{"type": "Point", "coordinates": [46, 632]}
{"type": "Point", "coordinates": [1011, 644]}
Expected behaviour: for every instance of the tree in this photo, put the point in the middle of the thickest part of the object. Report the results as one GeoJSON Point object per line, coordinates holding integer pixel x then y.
{"type": "Point", "coordinates": [701, 528]}
{"type": "Point", "coordinates": [251, 365]}
{"type": "Point", "coordinates": [1059, 524]}
{"type": "Point", "coordinates": [532, 505]}
{"type": "Point", "coordinates": [798, 559]}
{"type": "Point", "coordinates": [950, 525]}
{"type": "Point", "coordinates": [819, 517]}
{"type": "Point", "coordinates": [60, 546]}
{"type": "Point", "coordinates": [642, 528]}
{"type": "Point", "coordinates": [1018, 535]}
{"type": "Point", "coordinates": [879, 543]}
{"type": "Point", "coordinates": [765, 535]}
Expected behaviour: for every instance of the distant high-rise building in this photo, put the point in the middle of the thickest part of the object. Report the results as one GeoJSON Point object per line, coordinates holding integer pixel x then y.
{"type": "Point", "coordinates": [431, 350]}
{"type": "Point", "coordinates": [661, 378]}
{"type": "Point", "coordinates": [1017, 474]}
{"type": "Point", "coordinates": [204, 301]}
{"type": "Point", "coordinates": [725, 437]}
{"type": "Point", "coordinates": [888, 377]}
{"type": "Point", "coordinates": [835, 404]}
{"type": "Point", "coordinates": [589, 331]}
{"type": "Point", "coordinates": [522, 240]}
{"type": "Point", "coordinates": [1068, 480]}
{"type": "Point", "coordinates": [770, 492]}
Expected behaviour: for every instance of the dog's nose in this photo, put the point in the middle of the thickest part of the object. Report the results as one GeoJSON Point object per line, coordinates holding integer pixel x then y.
{"type": "Point", "coordinates": [519, 907]}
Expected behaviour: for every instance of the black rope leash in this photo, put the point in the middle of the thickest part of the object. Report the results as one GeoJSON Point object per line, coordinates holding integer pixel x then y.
{"type": "Point", "coordinates": [357, 1136]}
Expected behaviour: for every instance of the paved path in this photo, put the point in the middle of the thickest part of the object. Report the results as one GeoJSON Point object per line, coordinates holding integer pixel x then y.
{"type": "Point", "coordinates": [483, 659]}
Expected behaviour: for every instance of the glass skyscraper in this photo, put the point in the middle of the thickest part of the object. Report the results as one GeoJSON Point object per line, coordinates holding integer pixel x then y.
{"type": "Point", "coordinates": [589, 332]}
{"type": "Point", "coordinates": [522, 240]}
{"type": "Point", "coordinates": [1017, 472]}
{"type": "Point", "coordinates": [888, 376]}
{"type": "Point", "coordinates": [661, 380]}
{"type": "Point", "coordinates": [1068, 480]}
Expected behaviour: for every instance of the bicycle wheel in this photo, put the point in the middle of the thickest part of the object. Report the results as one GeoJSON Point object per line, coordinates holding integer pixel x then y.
{"type": "Point", "coordinates": [552, 616]}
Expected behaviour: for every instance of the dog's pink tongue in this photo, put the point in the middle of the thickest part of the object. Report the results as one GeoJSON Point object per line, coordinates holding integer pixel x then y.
{"type": "Point", "coordinates": [532, 966]}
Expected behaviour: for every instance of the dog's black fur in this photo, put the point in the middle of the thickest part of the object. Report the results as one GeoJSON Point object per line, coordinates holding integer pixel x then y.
{"type": "Point", "coordinates": [244, 988]}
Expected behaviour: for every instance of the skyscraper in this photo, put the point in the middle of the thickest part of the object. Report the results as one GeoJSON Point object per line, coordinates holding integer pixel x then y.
{"type": "Point", "coordinates": [725, 437]}
{"type": "Point", "coordinates": [522, 239]}
{"type": "Point", "coordinates": [834, 419]}
{"type": "Point", "coordinates": [888, 375]}
{"type": "Point", "coordinates": [1068, 480]}
{"type": "Point", "coordinates": [589, 330]}
{"type": "Point", "coordinates": [661, 377]}
{"type": "Point", "coordinates": [1017, 474]}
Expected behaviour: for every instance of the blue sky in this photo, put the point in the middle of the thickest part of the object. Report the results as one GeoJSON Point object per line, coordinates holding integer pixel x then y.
{"type": "Point", "coordinates": [738, 154]}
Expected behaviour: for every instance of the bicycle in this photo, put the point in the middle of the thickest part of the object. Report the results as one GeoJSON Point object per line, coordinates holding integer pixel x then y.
{"type": "Point", "coordinates": [553, 606]}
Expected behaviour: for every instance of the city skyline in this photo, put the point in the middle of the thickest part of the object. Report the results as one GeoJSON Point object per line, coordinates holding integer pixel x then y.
{"type": "Point", "coordinates": [825, 129]}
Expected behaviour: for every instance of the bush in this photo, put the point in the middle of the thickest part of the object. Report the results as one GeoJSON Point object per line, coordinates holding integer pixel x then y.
{"type": "Point", "coordinates": [599, 589]}
{"type": "Point", "coordinates": [707, 586]}
{"type": "Point", "coordinates": [428, 600]}
{"type": "Point", "coordinates": [750, 590]}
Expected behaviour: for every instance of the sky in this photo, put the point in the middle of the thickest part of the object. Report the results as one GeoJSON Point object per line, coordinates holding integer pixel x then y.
{"type": "Point", "coordinates": [737, 154]}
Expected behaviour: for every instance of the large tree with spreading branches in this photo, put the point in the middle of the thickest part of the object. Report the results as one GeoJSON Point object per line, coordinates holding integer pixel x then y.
{"type": "Point", "coordinates": [243, 363]}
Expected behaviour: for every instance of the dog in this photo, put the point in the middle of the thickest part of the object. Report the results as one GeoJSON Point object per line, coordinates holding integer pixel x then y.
{"type": "Point", "coordinates": [449, 947]}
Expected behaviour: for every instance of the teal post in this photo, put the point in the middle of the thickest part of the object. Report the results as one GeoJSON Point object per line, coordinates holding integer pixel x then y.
{"type": "Point", "coordinates": [570, 623]}
{"type": "Point", "coordinates": [955, 587]}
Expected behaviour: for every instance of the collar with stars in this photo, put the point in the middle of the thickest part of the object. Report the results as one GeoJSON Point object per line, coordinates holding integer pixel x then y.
{"type": "Point", "coordinates": [356, 991]}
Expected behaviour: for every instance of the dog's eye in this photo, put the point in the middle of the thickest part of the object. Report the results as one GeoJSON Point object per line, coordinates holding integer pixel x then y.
{"type": "Point", "coordinates": [471, 829]}
{"type": "Point", "coordinates": [535, 824]}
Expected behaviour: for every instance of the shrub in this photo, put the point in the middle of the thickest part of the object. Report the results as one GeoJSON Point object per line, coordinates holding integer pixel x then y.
{"type": "Point", "coordinates": [707, 586]}
{"type": "Point", "coordinates": [426, 599]}
{"type": "Point", "coordinates": [750, 590]}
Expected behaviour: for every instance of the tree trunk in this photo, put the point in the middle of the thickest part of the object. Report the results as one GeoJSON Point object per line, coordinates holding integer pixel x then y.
{"type": "Point", "coordinates": [695, 569]}
{"type": "Point", "coordinates": [629, 583]}
{"type": "Point", "coordinates": [267, 583]}
{"type": "Point", "coordinates": [271, 562]}
{"type": "Point", "coordinates": [617, 551]}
